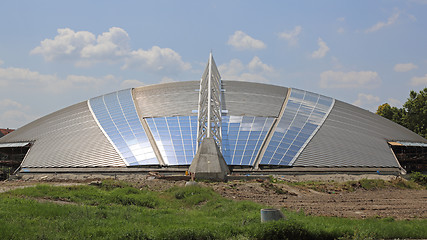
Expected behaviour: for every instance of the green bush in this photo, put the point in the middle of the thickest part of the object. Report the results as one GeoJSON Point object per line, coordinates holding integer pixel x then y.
{"type": "Point", "coordinates": [370, 184]}
{"type": "Point", "coordinates": [419, 178]}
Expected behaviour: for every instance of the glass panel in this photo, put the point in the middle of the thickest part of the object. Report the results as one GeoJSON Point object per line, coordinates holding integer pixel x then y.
{"type": "Point", "coordinates": [242, 137]}
{"type": "Point", "coordinates": [304, 112]}
{"type": "Point", "coordinates": [117, 115]}
{"type": "Point", "coordinates": [175, 138]}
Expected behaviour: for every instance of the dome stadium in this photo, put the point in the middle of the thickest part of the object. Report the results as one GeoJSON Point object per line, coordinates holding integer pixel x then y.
{"type": "Point", "coordinates": [256, 127]}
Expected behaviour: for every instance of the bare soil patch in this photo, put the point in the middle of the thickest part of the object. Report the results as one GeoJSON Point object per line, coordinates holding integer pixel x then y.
{"type": "Point", "coordinates": [389, 202]}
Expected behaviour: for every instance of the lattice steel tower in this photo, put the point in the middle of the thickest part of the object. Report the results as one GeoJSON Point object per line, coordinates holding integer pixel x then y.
{"type": "Point", "coordinates": [209, 109]}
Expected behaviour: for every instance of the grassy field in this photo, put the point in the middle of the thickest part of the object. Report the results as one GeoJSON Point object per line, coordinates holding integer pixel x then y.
{"type": "Point", "coordinates": [117, 210]}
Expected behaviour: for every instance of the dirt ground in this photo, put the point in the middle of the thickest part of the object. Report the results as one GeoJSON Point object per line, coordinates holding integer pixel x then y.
{"type": "Point", "coordinates": [389, 202]}
{"type": "Point", "coordinates": [395, 203]}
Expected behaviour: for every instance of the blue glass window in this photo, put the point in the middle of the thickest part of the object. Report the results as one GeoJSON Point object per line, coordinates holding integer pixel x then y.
{"type": "Point", "coordinates": [174, 138]}
{"type": "Point", "coordinates": [242, 137]}
{"type": "Point", "coordinates": [304, 114]}
{"type": "Point", "coordinates": [118, 118]}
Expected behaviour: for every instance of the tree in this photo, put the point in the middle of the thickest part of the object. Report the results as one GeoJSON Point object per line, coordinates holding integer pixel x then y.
{"type": "Point", "coordinates": [413, 115]}
{"type": "Point", "coordinates": [393, 113]}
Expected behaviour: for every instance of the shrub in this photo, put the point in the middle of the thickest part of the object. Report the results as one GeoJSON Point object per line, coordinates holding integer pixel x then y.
{"type": "Point", "coordinates": [370, 184]}
{"type": "Point", "coordinates": [419, 178]}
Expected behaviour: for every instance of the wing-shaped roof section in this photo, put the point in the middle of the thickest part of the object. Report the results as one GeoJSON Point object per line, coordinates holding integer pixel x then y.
{"type": "Point", "coordinates": [352, 136]}
{"type": "Point", "coordinates": [168, 99]}
{"type": "Point", "coordinates": [238, 99]}
{"type": "Point", "coordinates": [69, 137]}
{"type": "Point", "coordinates": [252, 99]}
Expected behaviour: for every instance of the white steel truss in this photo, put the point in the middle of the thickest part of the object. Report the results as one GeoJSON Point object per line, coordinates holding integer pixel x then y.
{"type": "Point", "coordinates": [209, 109]}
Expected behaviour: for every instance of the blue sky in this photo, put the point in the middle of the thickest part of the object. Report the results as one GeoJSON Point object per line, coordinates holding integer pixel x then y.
{"type": "Point", "coordinates": [54, 53]}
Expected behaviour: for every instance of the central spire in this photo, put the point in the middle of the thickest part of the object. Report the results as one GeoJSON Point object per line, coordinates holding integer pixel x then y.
{"type": "Point", "coordinates": [209, 162]}
{"type": "Point", "coordinates": [209, 108]}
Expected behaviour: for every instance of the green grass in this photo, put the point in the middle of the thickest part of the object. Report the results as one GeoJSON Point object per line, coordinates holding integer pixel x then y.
{"type": "Point", "coordinates": [117, 210]}
{"type": "Point", "coordinates": [419, 178]}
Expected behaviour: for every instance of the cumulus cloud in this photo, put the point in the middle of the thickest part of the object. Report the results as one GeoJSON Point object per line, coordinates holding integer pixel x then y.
{"type": "Point", "coordinates": [367, 101]}
{"type": "Point", "coordinates": [86, 49]}
{"type": "Point", "coordinates": [323, 49]}
{"type": "Point", "coordinates": [404, 67]}
{"type": "Point", "coordinates": [256, 65]}
{"type": "Point", "coordinates": [156, 59]}
{"type": "Point", "coordinates": [242, 41]}
{"type": "Point", "coordinates": [419, 81]}
{"type": "Point", "coordinates": [379, 25]}
{"type": "Point", "coordinates": [362, 79]}
{"type": "Point", "coordinates": [254, 71]}
{"type": "Point", "coordinates": [67, 44]}
{"type": "Point", "coordinates": [18, 77]}
{"type": "Point", "coordinates": [14, 114]}
{"type": "Point", "coordinates": [111, 44]}
{"type": "Point", "coordinates": [292, 36]}
{"type": "Point", "coordinates": [131, 83]}
{"type": "Point", "coordinates": [9, 103]}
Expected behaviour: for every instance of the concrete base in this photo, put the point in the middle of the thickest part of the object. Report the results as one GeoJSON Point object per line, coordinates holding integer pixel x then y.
{"type": "Point", "coordinates": [209, 164]}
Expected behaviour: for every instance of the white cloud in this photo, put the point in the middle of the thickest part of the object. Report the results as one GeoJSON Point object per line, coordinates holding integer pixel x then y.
{"type": "Point", "coordinates": [341, 30]}
{"type": "Point", "coordinates": [362, 79]}
{"type": "Point", "coordinates": [109, 45]}
{"type": "Point", "coordinates": [254, 71]}
{"type": "Point", "coordinates": [156, 59]}
{"type": "Point", "coordinates": [404, 67]}
{"type": "Point", "coordinates": [13, 114]}
{"type": "Point", "coordinates": [20, 77]}
{"type": "Point", "coordinates": [416, 81]}
{"type": "Point", "coordinates": [85, 49]}
{"type": "Point", "coordinates": [131, 83]}
{"type": "Point", "coordinates": [367, 101]}
{"type": "Point", "coordinates": [256, 65]}
{"type": "Point", "coordinates": [323, 49]}
{"type": "Point", "coordinates": [8, 103]}
{"type": "Point", "coordinates": [242, 41]}
{"type": "Point", "coordinates": [292, 36]}
{"type": "Point", "coordinates": [391, 20]}
{"type": "Point", "coordinates": [1, 62]}
{"type": "Point", "coordinates": [167, 80]}
{"type": "Point", "coordinates": [67, 44]}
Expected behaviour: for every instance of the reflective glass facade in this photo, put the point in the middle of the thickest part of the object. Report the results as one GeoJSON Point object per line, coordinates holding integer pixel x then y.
{"type": "Point", "coordinates": [242, 137]}
{"type": "Point", "coordinates": [175, 137]}
{"type": "Point", "coordinates": [117, 116]}
{"type": "Point", "coordinates": [303, 115]}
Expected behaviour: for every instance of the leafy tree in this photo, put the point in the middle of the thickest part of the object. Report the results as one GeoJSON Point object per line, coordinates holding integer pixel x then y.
{"type": "Point", "coordinates": [393, 113]}
{"type": "Point", "coordinates": [413, 115]}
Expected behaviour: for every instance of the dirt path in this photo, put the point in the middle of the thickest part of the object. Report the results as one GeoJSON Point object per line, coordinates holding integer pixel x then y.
{"type": "Point", "coordinates": [395, 203]}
